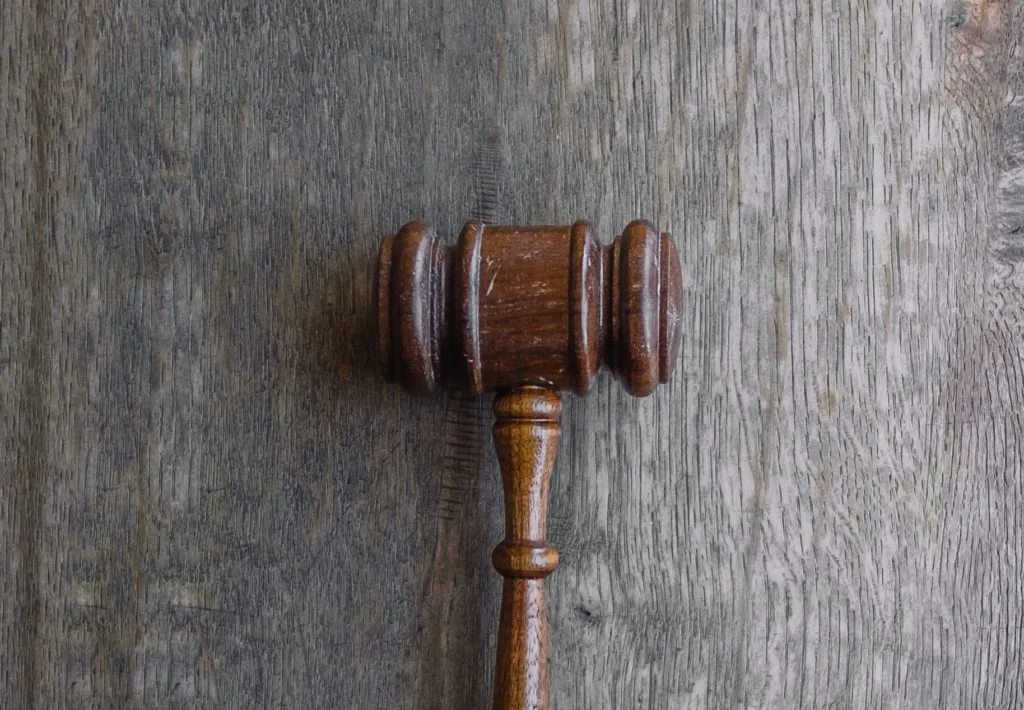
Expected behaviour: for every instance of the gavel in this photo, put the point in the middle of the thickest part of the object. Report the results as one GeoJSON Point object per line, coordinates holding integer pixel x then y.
{"type": "Point", "coordinates": [526, 312]}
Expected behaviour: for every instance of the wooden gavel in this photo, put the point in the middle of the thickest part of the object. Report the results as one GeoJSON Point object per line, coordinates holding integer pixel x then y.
{"type": "Point", "coordinates": [527, 311]}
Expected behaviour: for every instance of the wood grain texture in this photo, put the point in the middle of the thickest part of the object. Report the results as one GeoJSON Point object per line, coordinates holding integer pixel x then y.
{"type": "Point", "coordinates": [532, 305]}
{"type": "Point", "coordinates": [527, 431]}
{"type": "Point", "coordinates": [209, 499]}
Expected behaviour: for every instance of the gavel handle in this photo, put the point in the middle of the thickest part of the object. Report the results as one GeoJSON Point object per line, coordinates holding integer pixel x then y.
{"type": "Point", "coordinates": [526, 436]}
{"type": "Point", "coordinates": [521, 675]}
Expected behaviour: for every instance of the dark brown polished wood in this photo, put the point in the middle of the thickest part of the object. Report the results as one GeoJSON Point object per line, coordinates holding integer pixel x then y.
{"type": "Point", "coordinates": [528, 305]}
{"type": "Point", "coordinates": [527, 311]}
{"type": "Point", "coordinates": [526, 435]}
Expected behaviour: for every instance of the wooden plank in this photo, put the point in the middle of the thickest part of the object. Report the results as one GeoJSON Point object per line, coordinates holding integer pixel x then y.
{"type": "Point", "coordinates": [211, 499]}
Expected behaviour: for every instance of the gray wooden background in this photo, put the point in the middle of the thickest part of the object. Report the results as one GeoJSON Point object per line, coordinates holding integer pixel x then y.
{"type": "Point", "coordinates": [208, 498]}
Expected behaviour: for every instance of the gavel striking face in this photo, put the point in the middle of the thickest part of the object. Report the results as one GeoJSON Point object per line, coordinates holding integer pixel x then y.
{"type": "Point", "coordinates": [527, 312]}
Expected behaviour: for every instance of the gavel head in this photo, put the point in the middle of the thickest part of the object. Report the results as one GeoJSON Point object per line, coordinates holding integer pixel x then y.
{"type": "Point", "coordinates": [511, 306]}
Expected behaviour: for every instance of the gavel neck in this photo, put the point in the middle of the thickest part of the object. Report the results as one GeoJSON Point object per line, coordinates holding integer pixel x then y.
{"type": "Point", "coordinates": [526, 435]}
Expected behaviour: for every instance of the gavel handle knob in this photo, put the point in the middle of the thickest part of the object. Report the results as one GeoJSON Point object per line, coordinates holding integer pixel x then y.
{"type": "Point", "coordinates": [526, 436]}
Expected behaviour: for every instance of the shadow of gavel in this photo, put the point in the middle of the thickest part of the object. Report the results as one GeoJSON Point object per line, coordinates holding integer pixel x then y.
{"type": "Point", "coordinates": [527, 312]}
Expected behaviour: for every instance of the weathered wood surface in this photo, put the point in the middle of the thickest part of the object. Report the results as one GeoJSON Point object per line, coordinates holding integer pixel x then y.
{"type": "Point", "coordinates": [208, 498]}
